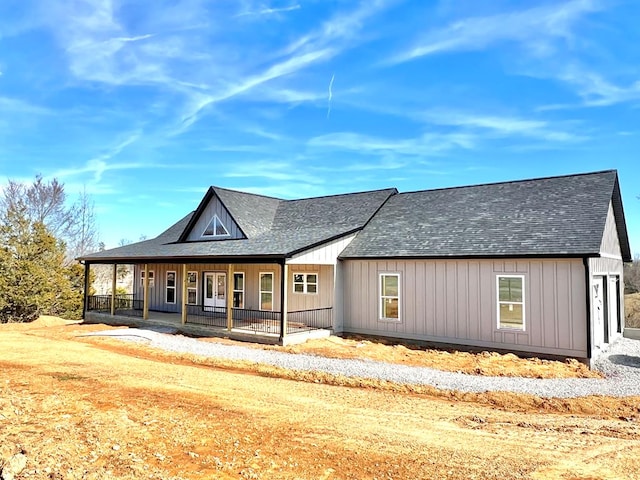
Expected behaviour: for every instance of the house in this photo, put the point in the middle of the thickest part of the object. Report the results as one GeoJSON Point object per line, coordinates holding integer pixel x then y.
{"type": "Point", "coordinates": [531, 266]}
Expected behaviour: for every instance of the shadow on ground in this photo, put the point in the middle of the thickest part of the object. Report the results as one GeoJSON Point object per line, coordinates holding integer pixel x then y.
{"type": "Point", "coordinates": [625, 360]}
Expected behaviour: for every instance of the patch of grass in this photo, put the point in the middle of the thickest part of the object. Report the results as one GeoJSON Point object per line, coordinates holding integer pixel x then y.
{"type": "Point", "coordinates": [63, 377]}
{"type": "Point", "coordinates": [632, 310]}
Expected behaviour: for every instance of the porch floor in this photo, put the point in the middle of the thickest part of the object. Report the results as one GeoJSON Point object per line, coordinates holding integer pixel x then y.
{"type": "Point", "coordinates": [174, 320]}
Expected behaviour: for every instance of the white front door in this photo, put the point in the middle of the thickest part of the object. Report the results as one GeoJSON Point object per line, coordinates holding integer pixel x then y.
{"type": "Point", "coordinates": [598, 311]}
{"type": "Point", "coordinates": [215, 289]}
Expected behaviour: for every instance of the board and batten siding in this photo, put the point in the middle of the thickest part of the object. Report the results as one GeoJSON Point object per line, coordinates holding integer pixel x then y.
{"type": "Point", "coordinates": [455, 301]}
{"type": "Point", "coordinates": [610, 241]}
{"type": "Point", "coordinates": [296, 301]}
{"type": "Point", "coordinates": [326, 254]}
{"type": "Point", "coordinates": [609, 266]}
{"type": "Point", "coordinates": [214, 207]}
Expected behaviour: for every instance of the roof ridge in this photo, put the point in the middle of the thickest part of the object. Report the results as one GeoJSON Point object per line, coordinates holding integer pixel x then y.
{"type": "Point", "coordinates": [507, 182]}
{"type": "Point", "coordinates": [215, 187]}
{"type": "Point", "coordinates": [394, 189]}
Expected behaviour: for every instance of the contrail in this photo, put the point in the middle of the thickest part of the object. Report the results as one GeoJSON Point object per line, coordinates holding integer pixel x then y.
{"type": "Point", "coordinates": [333, 77]}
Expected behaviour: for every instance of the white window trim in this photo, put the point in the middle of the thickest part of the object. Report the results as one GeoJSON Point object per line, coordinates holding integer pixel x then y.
{"type": "Point", "coordinates": [523, 303]}
{"type": "Point", "coordinates": [167, 287]}
{"type": "Point", "coordinates": [151, 279]}
{"type": "Point", "coordinates": [215, 220]}
{"type": "Point", "coordinates": [260, 291]}
{"type": "Point", "coordinates": [238, 291]}
{"type": "Point", "coordinates": [304, 283]}
{"type": "Point", "coordinates": [381, 296]}
{"type": "Point", "coordinates": [192, 288]}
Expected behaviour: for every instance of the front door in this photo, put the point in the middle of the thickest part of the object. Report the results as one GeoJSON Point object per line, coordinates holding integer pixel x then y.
{"type": "Point", "coordinates": [215, 289]}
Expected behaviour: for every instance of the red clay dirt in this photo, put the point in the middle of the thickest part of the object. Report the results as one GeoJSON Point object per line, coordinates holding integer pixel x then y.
{"type": "Point", "coordinates": [95, 408]}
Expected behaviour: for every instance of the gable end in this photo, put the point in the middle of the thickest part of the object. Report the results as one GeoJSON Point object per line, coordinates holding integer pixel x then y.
{"type": "Point", "coordinates": [211, 214]}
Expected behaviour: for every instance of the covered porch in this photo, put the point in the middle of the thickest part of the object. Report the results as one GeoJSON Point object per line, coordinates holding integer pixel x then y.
{"type": "Point", "coordinates": [244, 301]}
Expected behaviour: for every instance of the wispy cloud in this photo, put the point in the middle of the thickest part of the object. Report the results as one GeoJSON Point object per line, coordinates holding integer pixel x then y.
{"type": "Point", "coordinates": [97, 166]}
{"type": "Point", "coordinates": [502, 125]}
{"type": "Point", "coordinates": [594, 89]}
{"type": "Point", "coordinates": [273, 171]}
{"type": "Point", "coordinates": [534, 29]}
{"type": "Point", "coordinates": [423, 145]}
{"type": "Point", "coordinates": [265, 9]}
{"type": "Point", "coordinates": [17, 106]}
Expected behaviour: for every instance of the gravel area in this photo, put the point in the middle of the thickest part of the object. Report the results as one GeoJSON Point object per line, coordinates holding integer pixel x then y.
{"type": "Point", "coordinates": [621, 366]}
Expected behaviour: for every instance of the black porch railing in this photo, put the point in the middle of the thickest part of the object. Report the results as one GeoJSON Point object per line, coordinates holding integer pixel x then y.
{"type": "Point", "coordinates": [125, 304]}
{"type": "Point", "coordinates": [209, 316]}
{"type": "Point", "coordinates": [305, 320]}
{"type": "Point", "coordinates": [262, 321]}
{"type": "Point", "coordinates": [99, 303]}
{"type": "Point", "coordinates": [243, 318]}
{"type": "Point", "coordinates": [256, 321]}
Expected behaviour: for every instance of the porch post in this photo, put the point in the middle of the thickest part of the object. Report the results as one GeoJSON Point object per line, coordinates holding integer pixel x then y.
{"type": "Point", "coordinates": [184, 293]}
{"type": "Point", "coordinates": [229, 297]}
{"type": "Point", "coordinates": [145, 293]}
{"type": "Point", "coordinates": [284, 273]}
{"type": "Point", "coordinates": [113, 289]}
{"type": "Point", "coordinates": [87, 285]}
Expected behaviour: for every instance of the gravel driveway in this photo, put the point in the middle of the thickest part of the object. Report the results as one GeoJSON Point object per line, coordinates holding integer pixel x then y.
{"type": "Point", "coordinates": [621, 366]}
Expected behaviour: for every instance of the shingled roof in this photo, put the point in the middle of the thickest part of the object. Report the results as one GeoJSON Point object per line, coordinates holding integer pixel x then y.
{"type": "Point", "coordinates": [557, 216]}
{"type": "Point", "coordinates": [274, 228]}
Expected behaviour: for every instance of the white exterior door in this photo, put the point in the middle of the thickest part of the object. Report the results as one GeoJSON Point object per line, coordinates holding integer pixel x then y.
{"type": "Point", "coordinates": [215, 289]}
{"type": "Point", "coordinates": [613, 305]}
{"type": "Point", "coordinates": [598, 311]}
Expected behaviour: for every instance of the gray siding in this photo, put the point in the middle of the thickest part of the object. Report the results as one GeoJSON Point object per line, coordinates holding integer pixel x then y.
{"type": "Point", "coordinates": [610, 241]}
{"type": "Point", "coordinates": [296, 301]}
{"type": "Point", "coordinates": [455, 302]}
{"type": "Point", "coordinates": [307, 301]}
{"type": "Point", "coordinates": [215, 207]}
{"type": "Point", "coordinates": [326, 254]}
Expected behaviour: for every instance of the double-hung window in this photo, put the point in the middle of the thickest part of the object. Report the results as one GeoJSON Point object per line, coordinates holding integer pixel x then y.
{"type": "Point", "coordinates": [238, 290]}
{"type": "Point", "coordinates": [151, 283]}
{"type": "Point", "coordinates": [390, 296]}
{"type": "Point", "coordinates": [170, 294]}
{"type": "Point", "coordinates": [192, 288]}
{"type": "Point", "coordinates": [266, 291]}
{"type": "Point", "coordinates": [511, 301]}
{"type": "Point", "coordinates": [305, 283]}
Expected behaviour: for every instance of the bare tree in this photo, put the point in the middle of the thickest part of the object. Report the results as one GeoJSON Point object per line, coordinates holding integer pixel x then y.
{"type": "Point", "coordinates": [46, 202]}
{"type": "Point", "coordinates": [84, 232]}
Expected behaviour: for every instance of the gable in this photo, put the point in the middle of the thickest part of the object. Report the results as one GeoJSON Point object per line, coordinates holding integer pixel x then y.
{"type": "Point", "coordinates": [610, 241]}
{"type": "Point", "coordinates": [213, 221]}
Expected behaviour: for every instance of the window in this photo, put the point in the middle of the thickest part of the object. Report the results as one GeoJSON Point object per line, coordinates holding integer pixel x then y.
{"type": "Point", "coordinates": [305, 283]}
{"type": "Point", "coordinates": [238, 290]}
{"type": "Point", "coordinates": [511, 301]}
{"type": "Point", "coordinates": [390, 296]}
{"type": "Point", "coordinates": [266, 291]}
{"type": "Point", "coordinates": [170, 296]}
{"type": "Point", "coordinates": [151, 283]}
{"type": "Point", "coordinates": [215, 228]}
{"type": "Point", "coordinates": [192, 288]}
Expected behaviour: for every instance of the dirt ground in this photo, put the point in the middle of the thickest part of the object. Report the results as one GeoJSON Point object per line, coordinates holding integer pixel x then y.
{"type": "Point", "coordinates": [95, 408]}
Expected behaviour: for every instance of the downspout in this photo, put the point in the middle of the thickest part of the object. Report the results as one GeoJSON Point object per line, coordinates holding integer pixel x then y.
{"type": "Point", "coordinates": [587, 277]}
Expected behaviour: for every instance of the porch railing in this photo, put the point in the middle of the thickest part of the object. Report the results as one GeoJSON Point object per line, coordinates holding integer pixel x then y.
{"type": "Point", "coordinates": [262, 321]}
{"type": "Point", "coordinates": [125, 304]}
{"type": "Point", "coordinates": [243, 318]}
{"type": "Point", "coordinates": [257, 321]}
{"type": "Point", "coordinates": [304, 320]}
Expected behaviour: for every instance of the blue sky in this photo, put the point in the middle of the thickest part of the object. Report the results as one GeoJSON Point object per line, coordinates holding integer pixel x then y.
{"type": "Point", "coordinates": [147, 103]}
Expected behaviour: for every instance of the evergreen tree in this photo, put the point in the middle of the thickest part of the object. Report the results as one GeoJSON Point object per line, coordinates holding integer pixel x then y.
{"type": "Point", "coordinates": [34, 277]}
